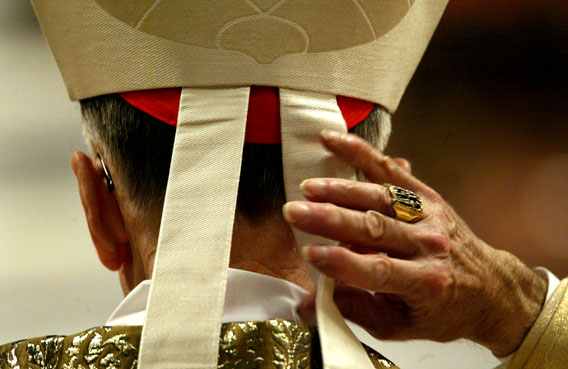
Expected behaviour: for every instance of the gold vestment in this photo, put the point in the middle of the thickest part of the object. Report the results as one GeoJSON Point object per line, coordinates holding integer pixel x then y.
{"type": "Point", "coordinates": [546, 345]}
{"type": "Point", "coordinates": [272, 344]}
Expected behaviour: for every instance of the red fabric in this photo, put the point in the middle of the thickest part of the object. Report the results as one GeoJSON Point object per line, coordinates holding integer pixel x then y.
{"type": "Point", "coordinates": [162, 104]}
{"type": "Point", "coordinates": [263, 121]}
{"type": "Point", "coordinates": [354, 110]}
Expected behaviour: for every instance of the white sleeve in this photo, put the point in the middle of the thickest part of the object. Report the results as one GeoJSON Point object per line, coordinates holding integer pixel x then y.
{"type": "Point", "coordinates": [553, 282]}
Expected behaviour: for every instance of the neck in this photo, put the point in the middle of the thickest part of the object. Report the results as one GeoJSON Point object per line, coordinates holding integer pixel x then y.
{"type": "Point", "coordinates": [268, 247]}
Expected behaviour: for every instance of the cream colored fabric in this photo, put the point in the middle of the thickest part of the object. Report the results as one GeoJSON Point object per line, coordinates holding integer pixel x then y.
{"type": "Point", "coordinates": [546, 346]}
{"type": "Point", "coordinates": [304, 115]}
{"type": "Point", "coordinates": [367, 49]}
{"type": "Point", "coordinates": [195, 238]}
{"type": "Point", "coordinates": [190, 271]}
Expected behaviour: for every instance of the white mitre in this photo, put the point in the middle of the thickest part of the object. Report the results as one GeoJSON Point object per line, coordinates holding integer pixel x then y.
{"type": "Point", "coordinates": [312, 50]}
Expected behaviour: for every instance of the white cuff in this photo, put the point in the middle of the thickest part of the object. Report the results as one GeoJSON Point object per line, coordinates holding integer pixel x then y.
{"type": "Point", "coordinates": [553, 281]}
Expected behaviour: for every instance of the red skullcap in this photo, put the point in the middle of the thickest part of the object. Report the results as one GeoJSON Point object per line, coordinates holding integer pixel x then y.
{"type": "Point", "coordinates": [263, 121]}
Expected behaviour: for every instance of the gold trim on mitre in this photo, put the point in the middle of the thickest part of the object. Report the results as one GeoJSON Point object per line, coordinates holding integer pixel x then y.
{"type": "Point", "coordinates": [368, 49]}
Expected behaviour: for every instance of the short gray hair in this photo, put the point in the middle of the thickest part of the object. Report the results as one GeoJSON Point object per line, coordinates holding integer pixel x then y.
{"type": "Point", "coordinates": [139, 147]}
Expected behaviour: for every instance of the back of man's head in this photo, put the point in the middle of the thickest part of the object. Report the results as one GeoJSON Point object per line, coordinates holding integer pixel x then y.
{"type": "Point", "coordinates": [139, 148]}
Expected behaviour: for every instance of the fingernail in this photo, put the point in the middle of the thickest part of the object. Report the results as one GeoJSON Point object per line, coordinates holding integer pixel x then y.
{"type": "Point", "coordinates": [314, 254]}
{"type": "Point", "coordinates": [313, 187]}
{"type": "Point", "coordinates": [295, 210]}
{"type": "Point", "coordinates": [328, 134]}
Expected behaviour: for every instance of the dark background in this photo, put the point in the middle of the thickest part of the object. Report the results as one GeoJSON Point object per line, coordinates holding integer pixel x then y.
{"type": "Point", "coordinates": [485, 123]}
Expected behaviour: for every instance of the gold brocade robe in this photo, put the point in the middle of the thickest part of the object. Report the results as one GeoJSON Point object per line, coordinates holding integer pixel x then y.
{"type": "Point", "coordinates": [272, 344]}
{"type": "Point", "coordinates": [546, 345]}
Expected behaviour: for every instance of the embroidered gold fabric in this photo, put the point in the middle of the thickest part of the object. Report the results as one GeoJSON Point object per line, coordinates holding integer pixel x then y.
{"type": "Point", "coordinates": [546, 346]}
{"type": "Point", "coordinates": [273, 344]}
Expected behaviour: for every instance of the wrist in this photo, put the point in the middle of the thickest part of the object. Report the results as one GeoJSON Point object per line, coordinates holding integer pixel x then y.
{"type": "Point", "coordinates": [514, 303]}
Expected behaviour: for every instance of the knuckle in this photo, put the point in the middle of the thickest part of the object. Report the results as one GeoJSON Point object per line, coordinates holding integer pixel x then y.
{"type": "Point", "coordinates": [374, 225]}
{"type": "Point", "coordinates": [447, 219]}
{"type": "Point", "coordinates": [436, 243]}
{"type": "Point", "coordinates": [330, 264]}
{"type": "Point", "coordinates": [390, 166]}
{"type": "Point", "coordinates": [438, 282]}
{"type": "Point", "coordinates": [373, 196]}
{"type": "Point", "coordinates": [434, 195]}
{"type": "Point", "coordinates": [338, 253]}
{"type": "Point", "coordinates": [330, 214]}
{"type": "Point", "coordinates": [379, 196]}
{"type": "Point", "coordinates": [324, 184]}
{"type": "Point", "coordinates": [381, 272]}
{"type": "Point", "coordinates": [383, 161]}
{"type": "Point", "coordinates": [437, 209]}
{"type": "Point", "coordinates": [327, 210]}
{"type": "Point", "coordinates": [338, 264]}
{"type": "Point", "coordinates": [349, 187]}
{"type": "Point", "coordinates": [328, 207]}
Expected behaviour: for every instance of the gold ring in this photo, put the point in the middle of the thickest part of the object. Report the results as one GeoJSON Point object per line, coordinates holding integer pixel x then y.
{"type": "Point", "coordinates": [406, 204]}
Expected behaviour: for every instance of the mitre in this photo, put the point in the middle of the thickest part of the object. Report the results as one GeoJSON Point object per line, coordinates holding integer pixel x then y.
{"type": "Point", "coordinates": [214, 50]}
{"type": "Point", "coordinates": [367, 49]}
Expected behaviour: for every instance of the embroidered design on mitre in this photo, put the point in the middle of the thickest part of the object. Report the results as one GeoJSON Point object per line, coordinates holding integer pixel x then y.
{"type": "Point", "coordinates": [263, 29]}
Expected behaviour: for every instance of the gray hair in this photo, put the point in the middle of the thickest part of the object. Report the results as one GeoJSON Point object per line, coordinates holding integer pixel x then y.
{"type": "Point", "coordinates": [139, 148]}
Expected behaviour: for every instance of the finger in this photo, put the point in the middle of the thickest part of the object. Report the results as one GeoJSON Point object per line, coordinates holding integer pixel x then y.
{"type": "Point", "coordinates": [354, 227]}
{"type": "Point", "coordinates": [376, 166]}
{"type": "Point", "coordinates": [404, 164]}
{"type": "Point", "coordinates": [378, 272]}
{"type": "Point", "coordinates": [349, 194]}
{"type": "Point", "coordinates": [374, 312]}
{"type": "Point", "coordinates": [307, 310]}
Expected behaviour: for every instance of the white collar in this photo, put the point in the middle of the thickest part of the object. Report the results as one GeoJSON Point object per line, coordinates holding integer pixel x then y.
{"type": "Point", "coordinates": [250, 296]}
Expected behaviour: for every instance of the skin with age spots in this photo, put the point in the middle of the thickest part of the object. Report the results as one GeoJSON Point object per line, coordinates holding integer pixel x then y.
{"type": "Point", "coordinates": [434, 279]}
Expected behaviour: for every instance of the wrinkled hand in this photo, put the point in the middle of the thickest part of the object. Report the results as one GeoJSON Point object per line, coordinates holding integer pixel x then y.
{"type": "Point", "coordinates": [430, 280]}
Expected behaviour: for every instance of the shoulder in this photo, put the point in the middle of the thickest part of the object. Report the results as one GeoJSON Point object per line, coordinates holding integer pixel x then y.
{"type": "Point", "coordinates": [274, 343]}
{"type": "Point", "coordinates": [117, 346]}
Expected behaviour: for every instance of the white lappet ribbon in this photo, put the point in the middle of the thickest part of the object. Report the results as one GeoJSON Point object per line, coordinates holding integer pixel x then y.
{"type": "Point", "coordinates": [185, 309]}
{"type": "Point", "coordinates": [304, 115]}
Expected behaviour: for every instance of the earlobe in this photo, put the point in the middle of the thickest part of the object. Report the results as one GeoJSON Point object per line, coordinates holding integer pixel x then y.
{"type": "Point", "coordinates": [103, 214]}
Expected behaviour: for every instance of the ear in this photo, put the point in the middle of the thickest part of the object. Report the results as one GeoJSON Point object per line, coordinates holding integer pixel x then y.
{"type": "Point", "coordinates": [104, 218]}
